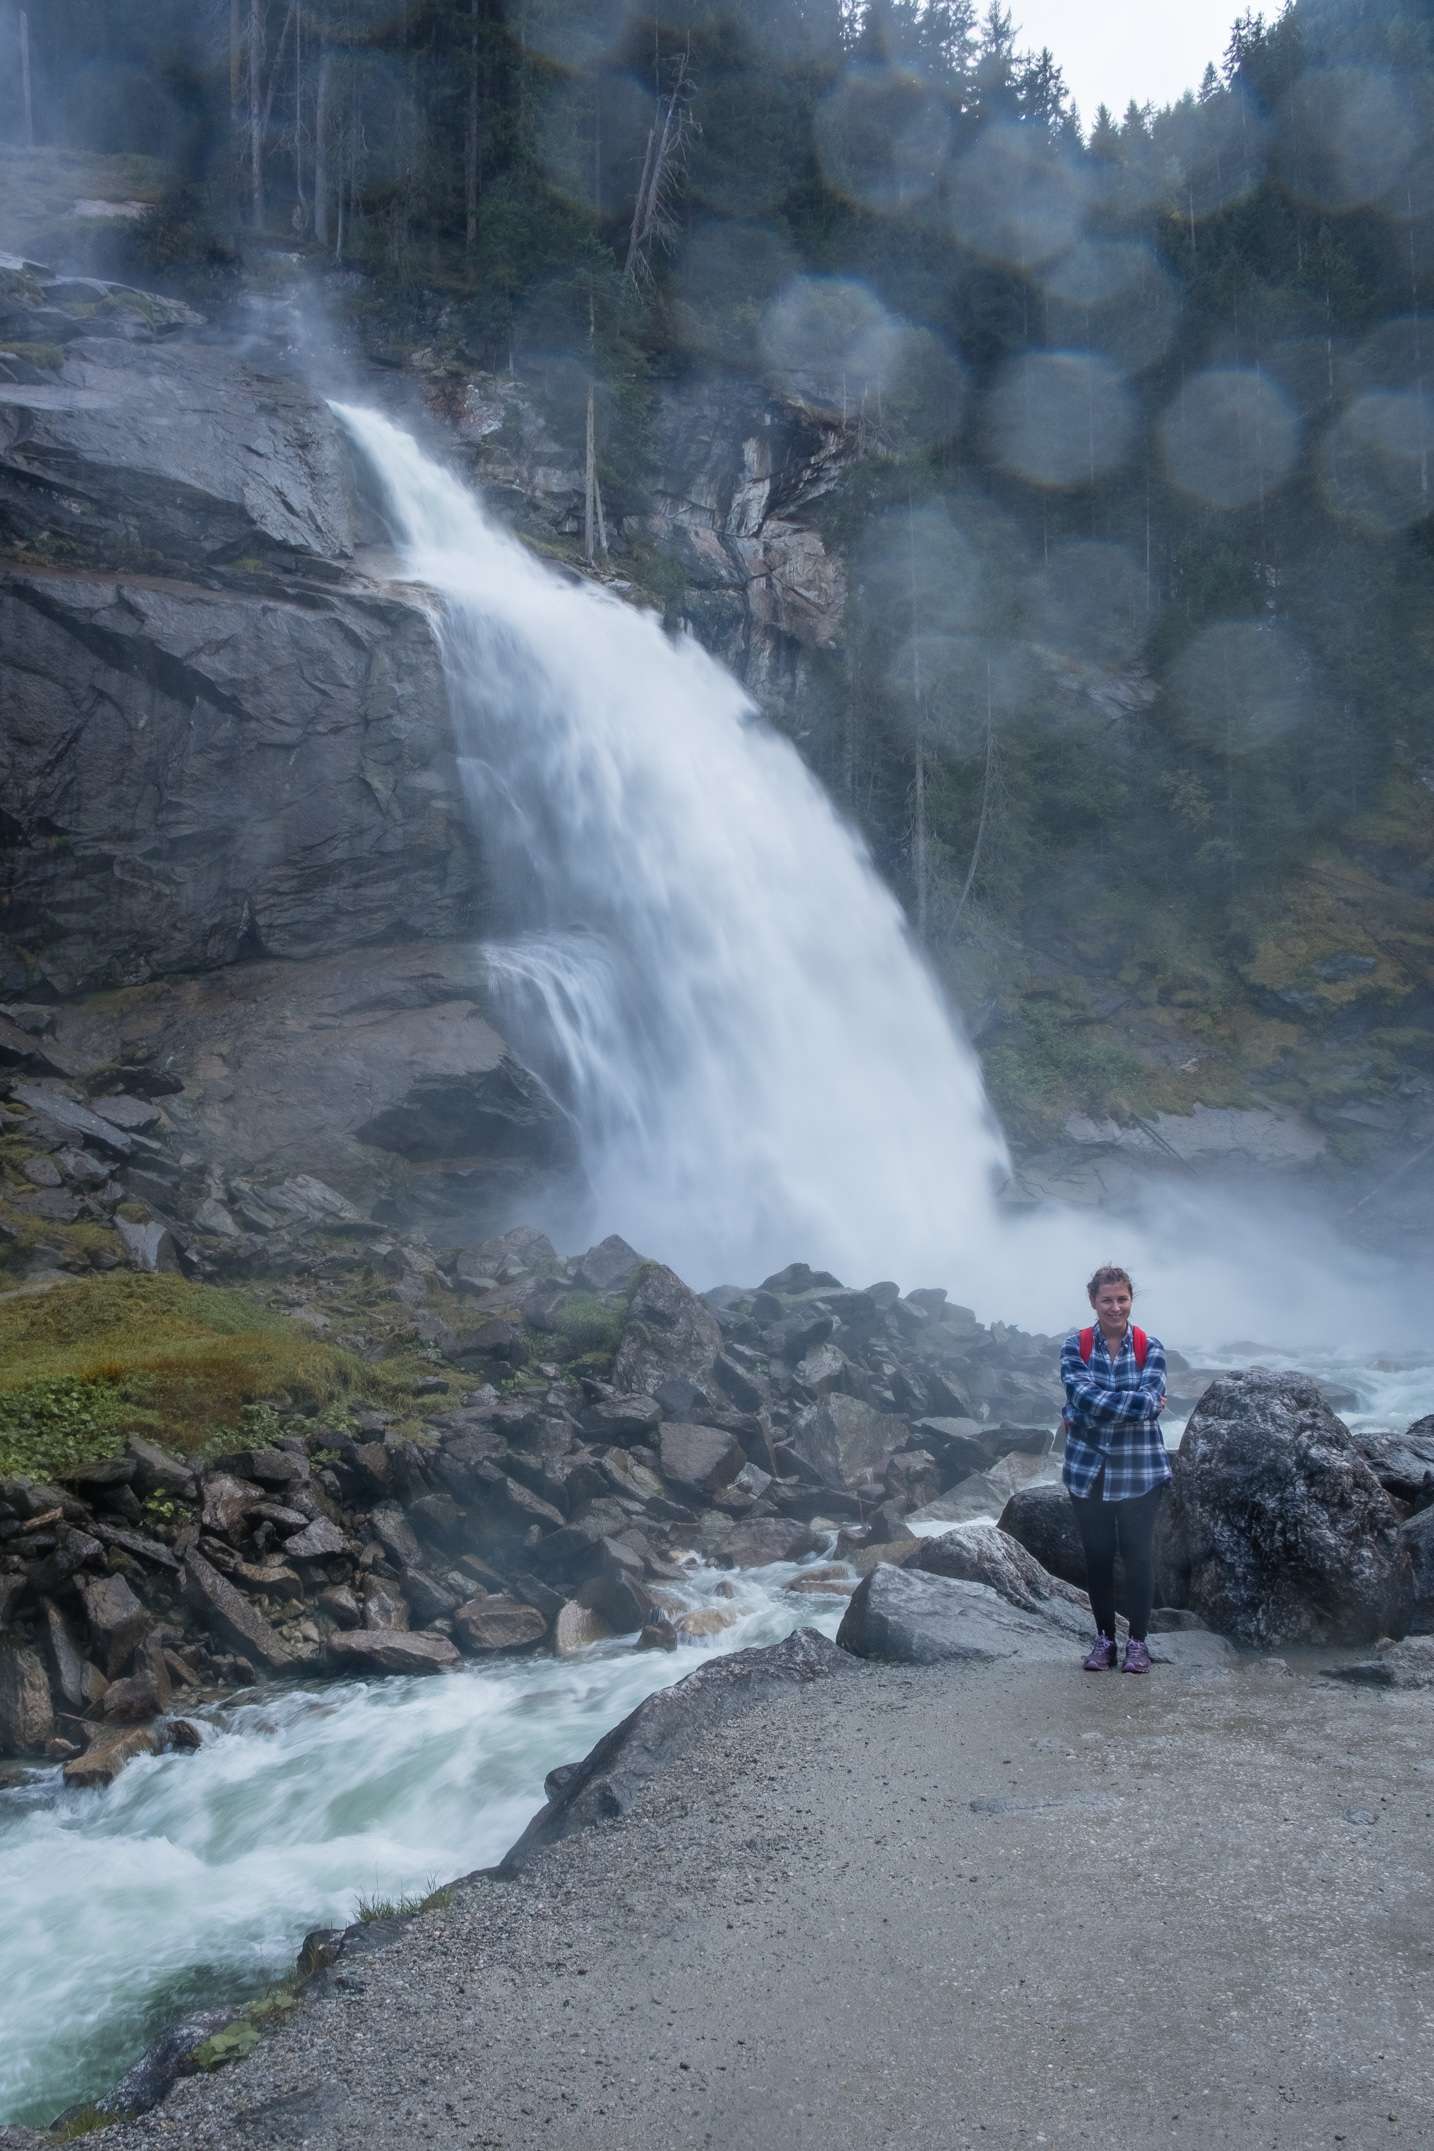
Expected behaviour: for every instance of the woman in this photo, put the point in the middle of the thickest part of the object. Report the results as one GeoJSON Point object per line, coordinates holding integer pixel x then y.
{"type": "Point", "coordinates": [1115, 1463]}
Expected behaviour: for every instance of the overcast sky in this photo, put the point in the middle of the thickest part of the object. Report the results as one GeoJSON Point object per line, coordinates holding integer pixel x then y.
{"type": "Point", "coordinates": [1113, 50]}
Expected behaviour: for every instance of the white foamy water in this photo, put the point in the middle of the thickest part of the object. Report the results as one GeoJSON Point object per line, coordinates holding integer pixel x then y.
{"type": "Point", "coordinates": [195, 1877]}
{"type": "Point", "coordinates": [694, 946]}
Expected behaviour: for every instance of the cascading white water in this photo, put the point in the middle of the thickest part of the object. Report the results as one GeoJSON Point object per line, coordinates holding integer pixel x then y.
{"type": "Point", "coordinates": [193, 1879]}
{"type": "Point", "coordinates": [695, 947]}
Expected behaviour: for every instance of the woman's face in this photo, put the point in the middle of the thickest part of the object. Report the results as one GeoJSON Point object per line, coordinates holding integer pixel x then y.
{"type": "Point", "coordinates": [1112, 1306]}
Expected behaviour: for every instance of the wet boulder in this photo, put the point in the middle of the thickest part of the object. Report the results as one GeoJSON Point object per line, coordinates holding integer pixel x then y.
{"type": "Point", "coordinates": [759, 1540]}
{"type": "Point", "coordinates": [1280, 1531]}
{"type": "Point", "coordinates": [1042, 1520]}
{"type": "Point", "coordinates": [229, 1614]}
{"type": "Point", "coordinates": [843, 1440]}
{"type": "Point", "coordinates": [493, 1623]}
{"type": "Point", "coordinates": [27, 1713]}
{"type": "Point", "coordinates": [117, 1620]}
{"type": "Point", "coordinates": [984, 1553]}
{"type": "Point", "coordinates": [1417, 1539]}
{"type": "Point", "coordinates": [907, 1617]}
{"type": "Point", "coordinates": [703, 1458]}
{"type": "Point", "coordinates": [669, 1332]}
{"type": "Point", "coordinates": [609, 1782]}
{"type": "Point", "coordinates": [1403, 1463]}
{"type": "Point", "coordinates": [391, 1650]}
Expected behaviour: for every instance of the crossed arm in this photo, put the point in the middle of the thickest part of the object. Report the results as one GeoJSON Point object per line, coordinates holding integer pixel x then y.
{"type": "Point", "coordinates": [1093, 1401]}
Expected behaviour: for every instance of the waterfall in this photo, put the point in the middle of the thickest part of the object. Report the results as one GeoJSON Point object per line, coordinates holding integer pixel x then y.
{"type": "Point", "coordinates": [690, 944]}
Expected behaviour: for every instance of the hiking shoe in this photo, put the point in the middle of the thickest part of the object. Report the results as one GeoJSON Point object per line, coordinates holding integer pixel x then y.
{"type": "Point", "coordinates": [1101, 1656]}
{"type": "Point", "coordinates": [1137, 1657]}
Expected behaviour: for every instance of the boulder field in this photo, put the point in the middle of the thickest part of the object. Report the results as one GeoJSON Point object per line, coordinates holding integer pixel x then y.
{"type": "Point", "coordinates": [590, 1425]}
{"type": "Point", "coordinates": [415, 1449]}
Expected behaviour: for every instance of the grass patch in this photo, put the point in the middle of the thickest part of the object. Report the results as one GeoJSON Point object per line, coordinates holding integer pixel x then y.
{"type": "Point", "coordinates": [82, 1364]}
{"type": "Point", "coordinates": [370, 1909]}
{"type": "Point", "coordinates": [49, 358]}
{"type": "Point", "coordinates": [585, 1325]}
{"type": "Point", "coordinates": [82, 2121]}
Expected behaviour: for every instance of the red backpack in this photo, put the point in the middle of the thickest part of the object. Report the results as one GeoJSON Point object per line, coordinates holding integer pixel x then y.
{"type": "Point", "coordinates": [1138, 1339]}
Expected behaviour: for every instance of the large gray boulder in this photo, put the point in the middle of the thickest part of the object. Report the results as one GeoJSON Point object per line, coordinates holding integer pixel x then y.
{"type": "Point", "coordinates": [27, 1713]}
{"type": "Point", "coordinates": [670, 1334]}
{"type": "Point", "coordinates": [609, 1781]}
{"type": "Point", "coordinates": [984, 1553]}
{"type": "Point", "coordinates": [1279, 1530]}
{"type": "Point", "coordinates": [844, 1440]}
{"type": "Point", "coordinates": [1042, 1520]}
{"type": "Point", "coordinates": [1409, 1664]}
{"type": "Point", "coordinates": [1403, 1463]}
{"type": "Point", "coordinates": [909, 1617]}
{"type": "Point", "coordinates": [703, 1458]}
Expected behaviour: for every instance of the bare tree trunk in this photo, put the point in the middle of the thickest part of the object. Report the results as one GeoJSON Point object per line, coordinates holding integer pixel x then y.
{"type": "Point", "coordinates": [470, 141]}
{"type": "Point", "coordinates": [920, 837]}
{"type": "Point", "coordinates": [236, 61]}
{"type": "Point", "coordinates": [321, 147]}
{"type": "Point", "coordinates": [256, 126]}
{"type": "Point", "coordinates": [274, 70]}
{"type": "Point", "coordinates": [639, 206]}
{"type": "Point", "coordinates": [26, 104]}
{"type": "Point", "coordinates": [662, 163]}
{"type": "Point", "coordinates": [589, 482]}
{"type": "Point", "coordinates": [301, 207]}
{"type": "Point", "coordinates": [985, 805]}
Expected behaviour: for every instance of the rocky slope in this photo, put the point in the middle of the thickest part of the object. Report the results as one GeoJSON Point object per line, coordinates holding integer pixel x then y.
{"type": "Point", "coordinates": [484, 1447]}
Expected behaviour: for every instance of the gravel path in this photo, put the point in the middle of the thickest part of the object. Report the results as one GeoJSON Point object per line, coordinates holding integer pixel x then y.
{"type": "Point", "coordinates": [996, 1908]}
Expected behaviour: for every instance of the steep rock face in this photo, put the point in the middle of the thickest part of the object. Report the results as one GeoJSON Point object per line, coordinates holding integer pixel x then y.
{"type": "Point", "coordinates": [738, 473]}
{"type": "Point", "coordinates": [375, 1069]}
{"type": "Point", "coordinates": [150, 448]}
{"type": "Point", "coordinates": [189, 775]}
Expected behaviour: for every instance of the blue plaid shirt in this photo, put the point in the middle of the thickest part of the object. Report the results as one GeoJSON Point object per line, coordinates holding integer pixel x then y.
{"type": "Point", "coordinates": [1112, 1418]}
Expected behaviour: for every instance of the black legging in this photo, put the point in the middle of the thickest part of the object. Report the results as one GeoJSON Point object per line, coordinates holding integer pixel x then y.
{"type": "Point", "coordinates": [1127, 1527]}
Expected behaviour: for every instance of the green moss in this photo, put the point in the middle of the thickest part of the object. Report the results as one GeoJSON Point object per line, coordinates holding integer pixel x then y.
{"type": "Point", "coordinates": [84, 1245]}
{"type": "Point", "coordinates": [80, 1363]}
{"type": "Point", "coordinates": [48, 357]}
{"type": "Point", "coordinates": [586, 1325]}
{"type": "Point", "coordinates": [1049, 1063]}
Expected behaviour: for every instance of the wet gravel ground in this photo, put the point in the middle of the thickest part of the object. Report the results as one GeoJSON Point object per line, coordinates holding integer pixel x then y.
{"type": "Point", "coordinates": [990, 1908]}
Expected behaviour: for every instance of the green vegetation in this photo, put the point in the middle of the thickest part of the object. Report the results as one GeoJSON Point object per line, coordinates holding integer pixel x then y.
{"type": "Point", "coordinates": [238, 2040]}
{"type": "Point", "coordinates": [188, 1363]}
{"type": "Point", "coordinates": [80, 2121]}
{"type": "Point", "coordinates": [587, 1328]}
{"type": "Point", "coordinates": [369, 1909]}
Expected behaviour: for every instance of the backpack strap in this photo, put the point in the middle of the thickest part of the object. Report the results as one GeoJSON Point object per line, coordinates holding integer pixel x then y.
{"type": "Point", "coordinates": [1138, 1339]}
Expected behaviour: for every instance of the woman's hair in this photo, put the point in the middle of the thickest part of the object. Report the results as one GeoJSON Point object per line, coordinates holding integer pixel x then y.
{"type": "Point", "coordinates": [1110, 1273]}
